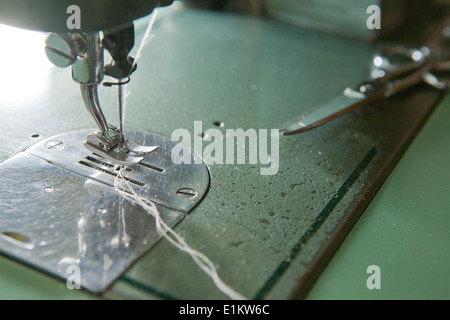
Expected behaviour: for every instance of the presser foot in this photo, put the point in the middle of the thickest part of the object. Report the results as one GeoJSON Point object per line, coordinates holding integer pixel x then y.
{"type": "Point", "coordinates": [109, 146]}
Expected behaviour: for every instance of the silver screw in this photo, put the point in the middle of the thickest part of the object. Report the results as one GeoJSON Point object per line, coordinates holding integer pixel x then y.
{"type": "Point", "coordinates": [63, 49]}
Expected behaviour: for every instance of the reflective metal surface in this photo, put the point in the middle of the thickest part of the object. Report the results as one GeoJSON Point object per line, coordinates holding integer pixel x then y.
{"type": "Point", "coordinates": [350, 99]}
{"type": "Point", "coordinates": [59, 211]}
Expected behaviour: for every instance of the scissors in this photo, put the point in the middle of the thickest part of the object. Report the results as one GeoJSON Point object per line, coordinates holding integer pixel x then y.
{"type": "Point", "coordinates": [394, 70]}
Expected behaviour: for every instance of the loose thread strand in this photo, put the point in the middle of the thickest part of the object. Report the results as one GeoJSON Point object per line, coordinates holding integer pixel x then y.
{"type": "Point", "coordinates": [175, 239]}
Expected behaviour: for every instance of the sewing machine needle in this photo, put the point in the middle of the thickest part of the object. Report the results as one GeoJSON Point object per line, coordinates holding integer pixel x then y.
{"type": "Point", "coordinates": [120, 93]}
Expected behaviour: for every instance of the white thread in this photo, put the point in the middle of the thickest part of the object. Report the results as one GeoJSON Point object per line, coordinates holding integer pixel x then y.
{"type": "Point", "coordinates": [146, 35]}
{"type": "Point", "coordinates": [124, 101]}
{"type": "Point", "coordinates": [162, 228]}
{"type": "Point", "coordinates": [144, 41]}
{"type": "Point", "coordinates": [175, 239]}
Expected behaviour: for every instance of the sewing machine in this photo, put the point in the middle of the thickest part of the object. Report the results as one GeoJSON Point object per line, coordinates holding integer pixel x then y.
{"type": "Point", "coordinates": [271, 236]}
{"type": "Point", "coordinates": [81, 47]}
{"type": "Point", "coordinates": [91, 164]}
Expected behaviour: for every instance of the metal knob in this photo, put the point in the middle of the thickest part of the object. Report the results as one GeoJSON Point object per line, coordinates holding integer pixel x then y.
{"type": "Point", "coordinates": [63, 49]}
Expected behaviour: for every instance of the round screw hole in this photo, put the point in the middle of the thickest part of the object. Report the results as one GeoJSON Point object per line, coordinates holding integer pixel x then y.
{"type": "Point", "coordinates": [35, 135]}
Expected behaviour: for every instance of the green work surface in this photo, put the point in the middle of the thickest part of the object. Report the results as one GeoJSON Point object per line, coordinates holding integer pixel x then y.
{"type": "Point", "coordinates": [262, 232]}
{"type": "Point", "coordinates": [405, 230]}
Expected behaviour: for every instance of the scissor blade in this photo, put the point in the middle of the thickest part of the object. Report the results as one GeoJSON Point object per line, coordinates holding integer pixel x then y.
{"type": "Point", "coordinates": [346, 102]}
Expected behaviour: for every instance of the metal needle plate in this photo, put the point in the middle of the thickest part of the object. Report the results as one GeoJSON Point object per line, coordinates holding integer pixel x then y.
{"type": "Point", "coordinates": [59, 210]}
